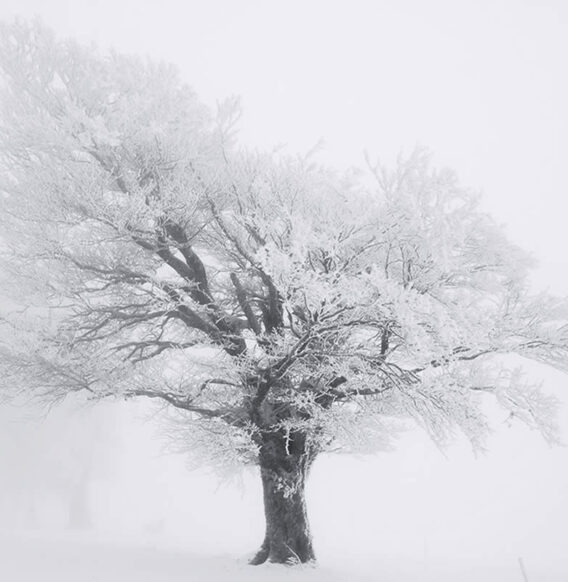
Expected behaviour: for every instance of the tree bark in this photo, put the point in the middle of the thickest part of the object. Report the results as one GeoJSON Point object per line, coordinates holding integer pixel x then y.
{"type": "Point", "coordinates": [285, 461]}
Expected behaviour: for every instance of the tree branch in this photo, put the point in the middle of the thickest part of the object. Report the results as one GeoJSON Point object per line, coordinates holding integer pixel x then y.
{"type": "Point", "coordinates": [245, 305]}
{"type": "Point", "coordinates": [178, 403]}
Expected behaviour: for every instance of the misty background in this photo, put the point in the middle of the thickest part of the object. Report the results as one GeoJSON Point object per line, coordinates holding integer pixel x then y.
{"type": "Point", "coordinates": [483, 85]}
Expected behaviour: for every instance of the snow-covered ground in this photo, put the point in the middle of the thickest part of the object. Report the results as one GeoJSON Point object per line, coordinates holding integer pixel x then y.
{"type": "Point", "coordinates": [87, 559]}
{"type": "Point", "coordinates": [90, 558]}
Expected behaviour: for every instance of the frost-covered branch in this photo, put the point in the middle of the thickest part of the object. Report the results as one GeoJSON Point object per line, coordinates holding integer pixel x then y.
{"type": "Point", "coordinates": [156, 255]}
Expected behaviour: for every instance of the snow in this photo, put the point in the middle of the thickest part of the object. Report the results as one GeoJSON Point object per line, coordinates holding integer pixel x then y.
{"type": "Point", "coordinates": [88, 559]}
{"type": "Point", "coordinates": [91, 558]}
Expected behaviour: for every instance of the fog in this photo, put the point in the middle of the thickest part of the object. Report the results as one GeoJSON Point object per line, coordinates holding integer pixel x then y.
{"type": "Point", "coordinates": [480, 83]}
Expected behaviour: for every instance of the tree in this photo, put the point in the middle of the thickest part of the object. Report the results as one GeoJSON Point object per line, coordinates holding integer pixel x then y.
{"type": "Point", "coordinates": [280, 308]}
{"type": "Point", "coordinates": [50, 459]}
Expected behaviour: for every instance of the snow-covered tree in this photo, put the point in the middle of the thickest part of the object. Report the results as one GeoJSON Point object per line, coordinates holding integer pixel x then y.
{"type": "Point", "coordinates": [280, 308]}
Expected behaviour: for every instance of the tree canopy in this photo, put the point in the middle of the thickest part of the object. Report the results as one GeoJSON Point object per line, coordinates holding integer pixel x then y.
{"type": "Point", "coordinates": [260, 295]}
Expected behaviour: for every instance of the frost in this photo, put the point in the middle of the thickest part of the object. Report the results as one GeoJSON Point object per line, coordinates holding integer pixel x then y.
{"type": "Point", "coordinates": [250, 293]}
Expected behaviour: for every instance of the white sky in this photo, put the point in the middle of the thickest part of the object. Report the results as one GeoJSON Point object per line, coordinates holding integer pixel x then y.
{"type": "Point", "coordinates": [482, 83]}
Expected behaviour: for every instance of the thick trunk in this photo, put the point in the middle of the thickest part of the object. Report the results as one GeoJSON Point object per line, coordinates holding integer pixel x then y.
{"type": "Point", "coordinates": [284, 466]}
{"type": "Point", "coordinates": [79, 516]}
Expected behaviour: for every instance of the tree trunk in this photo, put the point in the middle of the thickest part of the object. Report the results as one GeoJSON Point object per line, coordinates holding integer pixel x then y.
{"type": "Point", "coordinates": [284, 464]}
{"type": "Point", "coordinates": [79, 516]}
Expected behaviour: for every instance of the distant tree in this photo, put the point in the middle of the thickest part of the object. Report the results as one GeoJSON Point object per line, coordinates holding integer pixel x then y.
{"type": "Point", "coordinates": [50, 458]}
{"type": "Point", "coordinates": [281, 308]}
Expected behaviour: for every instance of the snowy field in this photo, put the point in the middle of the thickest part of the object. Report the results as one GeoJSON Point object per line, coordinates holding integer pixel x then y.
{"type": "Point", "coordinates": [91, 559]}
{"type": "Point", "coordinates": [86, 559]}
